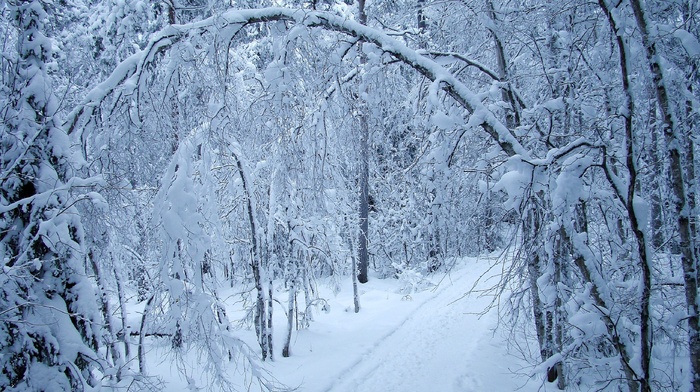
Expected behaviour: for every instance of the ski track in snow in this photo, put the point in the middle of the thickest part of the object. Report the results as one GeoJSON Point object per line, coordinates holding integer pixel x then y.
{"type": "Point", "coordinates": [436, 342]}
{"type": "Point", "coordinates": [443, 345]}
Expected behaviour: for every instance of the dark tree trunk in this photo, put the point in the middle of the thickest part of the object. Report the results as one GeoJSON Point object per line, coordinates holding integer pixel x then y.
{"type": "Point", "coordinates": [142, 335]}
{"type": "Point", "coordinates": [363, 245]}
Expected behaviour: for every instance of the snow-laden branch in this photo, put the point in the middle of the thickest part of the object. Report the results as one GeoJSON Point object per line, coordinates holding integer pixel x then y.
{"type": "Point", "coordinates": [472, 63]}
{"type": "Point", "coordinates": [128, 74]}
{"type": "Point", "coordinates": [72, 183]}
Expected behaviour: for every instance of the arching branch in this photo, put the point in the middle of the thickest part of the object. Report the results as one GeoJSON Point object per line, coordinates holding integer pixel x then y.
{"type": "Point", "coordinates": [129, 73]}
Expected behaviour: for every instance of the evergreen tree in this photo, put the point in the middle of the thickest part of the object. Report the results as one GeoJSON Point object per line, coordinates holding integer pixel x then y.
{"type": "Point", "coordinates": [49, 326]}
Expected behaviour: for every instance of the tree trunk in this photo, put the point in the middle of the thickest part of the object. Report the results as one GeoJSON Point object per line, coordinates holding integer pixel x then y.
{"type": "Point", "coordinates": [268, 330]}
{"type": "Point", "coordinates": [124, 333]}
{"type": "Point", "coordinates": [531, 226]}
{"type": "Point", "coordinates": [106, 314]}
{"type": "Point", "coordinates": [561, 255]}
{"type": "Point", "coordinates": [630, 201]}
{"type": "Point", "coordinates": [308, 300]}
{"type": "Point", "coordinates": [512, 113]}
{"type": "Point", "coordinates": [691, 182]}
{"type": "Point", "coordinates": [658, 234]}
{"type": "Point", "coordinates": [673, 137]}
{"type": "Point", "coordinates": [420, 16]}
{"type": "Point", "coordinates": [590, 274]}
{"type": "Point", "coordinates": [363, 247]}
{"type": "Point", "coordinates": [256, 266]}
{"type": "Point", "coordinates": [291, 309]}
{"type": "Point", "coordinates": [355, 291]}
{"type": "Point", "coordinates": [142, 335]}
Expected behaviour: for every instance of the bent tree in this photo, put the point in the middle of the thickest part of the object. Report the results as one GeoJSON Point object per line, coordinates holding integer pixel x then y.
{"type": "Point", "coordinates": [572, 166]}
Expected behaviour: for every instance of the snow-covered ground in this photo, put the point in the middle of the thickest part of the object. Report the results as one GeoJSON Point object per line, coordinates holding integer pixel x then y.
{"type": "Point", "coordinates": [433, 340]}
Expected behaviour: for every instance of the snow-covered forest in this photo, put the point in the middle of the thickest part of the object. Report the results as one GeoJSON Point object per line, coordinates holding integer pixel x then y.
{"type": "Point", "coordinates": [190, 185]}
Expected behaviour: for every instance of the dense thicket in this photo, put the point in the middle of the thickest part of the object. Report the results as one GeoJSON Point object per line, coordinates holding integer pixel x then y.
{"type": "Point", "coordinates": [156, 154]}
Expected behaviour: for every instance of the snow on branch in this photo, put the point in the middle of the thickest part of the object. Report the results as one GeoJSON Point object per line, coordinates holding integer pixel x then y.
{"type": "Point", "coordinates": [128, 74]}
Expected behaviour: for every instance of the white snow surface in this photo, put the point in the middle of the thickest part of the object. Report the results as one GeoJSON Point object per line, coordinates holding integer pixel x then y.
{"type": "Point", "coordinates": [434, 340]}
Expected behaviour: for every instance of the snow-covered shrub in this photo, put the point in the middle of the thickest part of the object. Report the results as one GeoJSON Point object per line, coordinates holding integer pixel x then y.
{"type": "Point", "coordinates": [411, 279]}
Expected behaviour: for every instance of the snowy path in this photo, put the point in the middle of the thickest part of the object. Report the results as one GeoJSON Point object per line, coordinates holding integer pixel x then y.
{"type": "Point", "coordinates": [434, 342]}
{"type": "Point", "coordinates": [442, 346]}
